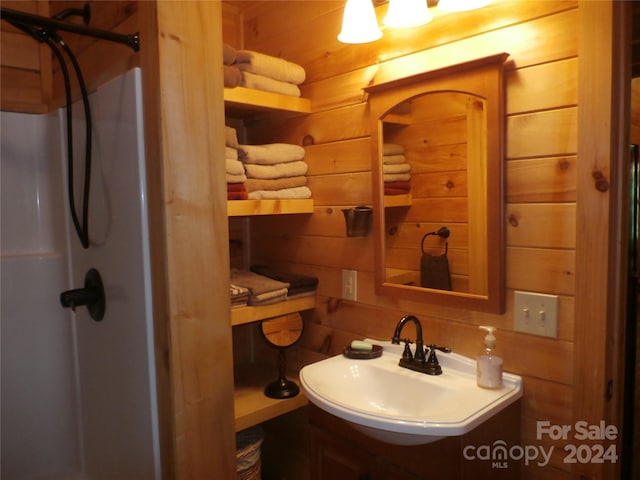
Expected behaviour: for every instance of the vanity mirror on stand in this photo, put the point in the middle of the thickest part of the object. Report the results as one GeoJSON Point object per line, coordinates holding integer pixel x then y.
{"type": "Point", "coordinates": [437, 146]}
{"type": "Point", "coordinates": [282, 333]}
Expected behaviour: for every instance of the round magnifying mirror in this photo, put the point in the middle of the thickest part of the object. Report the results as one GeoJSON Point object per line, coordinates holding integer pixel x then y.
{"type": "Point", "coordinates": [281, 333]}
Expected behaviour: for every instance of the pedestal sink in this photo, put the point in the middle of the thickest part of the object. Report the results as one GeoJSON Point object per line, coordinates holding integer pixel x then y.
{"type": "Point", "coordinates": [403, 407]}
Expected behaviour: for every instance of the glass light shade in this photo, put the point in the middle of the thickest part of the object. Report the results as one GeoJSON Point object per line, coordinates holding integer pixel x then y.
{"type": "Point", "coordinates": [407, 13]}
{"type": "Point", "coordinates": [461, 5]}
{"type": "Point", "coordinates": [359, 23]}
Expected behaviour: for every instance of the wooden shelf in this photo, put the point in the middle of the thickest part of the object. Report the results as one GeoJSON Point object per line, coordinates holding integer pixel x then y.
{"type": "Point", "coordinates": [248, 101]}
{"type": "Point", "coordinates": [242, 315]}
{"type": "Point", "coordinates": [397, 200]}
{"type": "Point", "coordinates": [246, 208]}
{"type": "Point", "coordinates": [252, 406]}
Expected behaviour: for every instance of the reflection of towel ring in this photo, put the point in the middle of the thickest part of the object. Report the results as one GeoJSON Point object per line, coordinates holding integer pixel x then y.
{"type": "Point", "coordinates": [443, 232]}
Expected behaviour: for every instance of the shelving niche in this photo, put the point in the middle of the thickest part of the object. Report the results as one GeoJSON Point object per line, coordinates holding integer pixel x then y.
{"type": "Point", "coordinates": [251, 405]}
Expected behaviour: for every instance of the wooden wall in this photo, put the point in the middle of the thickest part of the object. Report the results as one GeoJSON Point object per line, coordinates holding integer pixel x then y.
{"type": "Point", "coordinates": [31, 77]}
{"type": "Point", "coordinates": [540, 171]}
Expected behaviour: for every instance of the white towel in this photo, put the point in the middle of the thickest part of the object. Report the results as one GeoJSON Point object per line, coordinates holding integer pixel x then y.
{"type": "Point", "coordinates": [392, 149]}
{"type": "Point", "coordinates": [260, 82]}
{"type": "Point", "coordinates": [396, 168]}
{"type": "Point", "coordinates": [393, 159]}
{"type": "Point", "coordinates": [231, 178]}
{"type": "Point", "coordinates": [396, 177]}
{"type": "Point", "coordinates": [280, 170]}
{"type": "Point", "coordinates": [269, 66]}
{"type": "Point", "coordinates": [288, 193]}
{"type": "Point", "coordinates": [234, 167]}
{"type": "Point", "coordinates": [270, 154]}
{"type": "Point", "coordinates": [230, 152]}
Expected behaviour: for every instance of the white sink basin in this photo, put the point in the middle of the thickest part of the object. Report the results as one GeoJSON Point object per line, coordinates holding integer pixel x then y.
{"type": "Point", "coordinates": [403, 407]}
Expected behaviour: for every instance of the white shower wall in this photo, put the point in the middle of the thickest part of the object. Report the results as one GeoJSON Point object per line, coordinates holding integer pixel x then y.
{"type": "Point", "coordinates": [78, 396]}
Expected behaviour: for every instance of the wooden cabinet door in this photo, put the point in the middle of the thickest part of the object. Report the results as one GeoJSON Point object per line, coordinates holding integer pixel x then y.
{"type": "Point", "coordinates": [333, 459]}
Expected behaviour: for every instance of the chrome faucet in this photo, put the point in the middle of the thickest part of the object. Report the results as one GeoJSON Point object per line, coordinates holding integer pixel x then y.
{"type": "Point", "coordinates": [417, 362]}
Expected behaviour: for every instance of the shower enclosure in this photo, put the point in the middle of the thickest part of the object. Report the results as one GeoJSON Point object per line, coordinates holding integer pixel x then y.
{"type": "Point", "coordinates": [78, 395]}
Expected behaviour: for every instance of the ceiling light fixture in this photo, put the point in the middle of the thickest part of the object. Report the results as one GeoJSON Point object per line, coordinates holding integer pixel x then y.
{"type": "Point", "coordinates": [359, 23]}
{"type": "Point", "coordinates": [407, 13]}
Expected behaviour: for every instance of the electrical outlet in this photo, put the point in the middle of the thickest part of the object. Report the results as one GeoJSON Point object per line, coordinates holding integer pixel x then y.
{"type": "Point", "coordinates": [535, 313]}
{"type": "Point", "coordinates": [350, 285]}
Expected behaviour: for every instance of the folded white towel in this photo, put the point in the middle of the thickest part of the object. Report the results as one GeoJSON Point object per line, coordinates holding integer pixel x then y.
{"type": "Point", "coordinates": [393, 159]}
{"type": "Point", "coordinates": [231, 178]}
{"type": "Point", "coordinates": [231, 137]}
{"type": "Point", "coordinates": [396, 168]}
{"type": "Point", "coordinates": [392, 149]}
{"type": "Point", "coordinates": [260, 82]}
{"type": "Point", "coordinates": [270, 154]}
{"type": "Point", "coordinates": [288, 193]}
{"type": "Point", "coordinates": [280, 170]}
{"type": "Point", "coordinates": [269, 66]}
{"type": "Point", "coordinates": [234, 167]}
{"type": "Point", "coordinates": [396, 177]}
{"type": "Point", "coordinates": [230, 152]}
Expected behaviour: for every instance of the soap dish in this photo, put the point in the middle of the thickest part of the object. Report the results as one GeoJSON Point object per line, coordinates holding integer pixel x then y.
{"type": "Point", "coordinates": [363, 354]}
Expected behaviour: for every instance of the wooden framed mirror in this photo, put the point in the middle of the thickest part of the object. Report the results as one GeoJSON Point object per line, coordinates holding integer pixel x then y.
{"type": "Point", "coordinates": [437, 149]}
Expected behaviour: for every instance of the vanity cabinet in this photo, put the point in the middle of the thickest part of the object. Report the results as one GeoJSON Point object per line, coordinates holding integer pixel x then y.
{"type": "Point", "coordinates": [337, 450]}
{"type": "Point", "coordinates": [251, 405]}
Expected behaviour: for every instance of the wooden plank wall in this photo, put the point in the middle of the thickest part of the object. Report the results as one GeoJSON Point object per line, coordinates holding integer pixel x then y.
{"type": "Point", "coordinates": [541, 144]}
{"type": "Point", "coordinates": [31, 78]}
{"type": "Point", "coordinates": [25, 65]}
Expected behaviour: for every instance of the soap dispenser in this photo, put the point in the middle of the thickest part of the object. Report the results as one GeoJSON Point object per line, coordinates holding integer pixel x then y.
{"type": "Point", "coordinates": [489, 369]}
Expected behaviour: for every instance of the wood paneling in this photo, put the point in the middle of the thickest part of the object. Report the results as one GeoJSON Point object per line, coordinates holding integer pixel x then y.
{"type": "Point", "coordinates": [540, 177]}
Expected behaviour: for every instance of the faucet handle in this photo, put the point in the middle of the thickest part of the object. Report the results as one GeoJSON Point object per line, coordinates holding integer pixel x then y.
{"type": "Point", "coordinates": [433, 366]}
{"type": "Point", "coordinates": [407, 349]}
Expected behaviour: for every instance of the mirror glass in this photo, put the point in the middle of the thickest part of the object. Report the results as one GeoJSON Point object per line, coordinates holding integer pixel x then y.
{"type": "Point", "coordinates": [437, 155]}
{"type": "Point", "coordinates": [282, 332]}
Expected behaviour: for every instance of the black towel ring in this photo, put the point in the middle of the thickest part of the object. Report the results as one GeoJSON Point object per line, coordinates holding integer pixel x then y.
{"type": "Point", "coordinates": [442, 232]}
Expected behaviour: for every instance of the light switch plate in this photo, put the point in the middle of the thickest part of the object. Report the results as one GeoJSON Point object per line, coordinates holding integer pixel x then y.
{"type": "Point", "coordinates": [350, 285]}
{"type": "Point", "coordinates": [535, 313]}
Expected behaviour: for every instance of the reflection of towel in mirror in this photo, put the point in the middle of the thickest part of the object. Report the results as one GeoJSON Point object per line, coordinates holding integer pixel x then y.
{"type": "Point", "coordinates": [393, 159]}
{"type": "Point", "coordinates": [392, 149]}
{"type": "Point", "coordinates": [396, 177]}
{"type": "Point", "coordinates": [396, 168]}
{"type": "Point", "coordinates": [269, 66]}
{"type": "Point", "coordinates": [406, 186]}
{"type": "Point", "coordinates": [259, 82]}
{"type": "Point", "coordinates": [271, 153]}
{"type": "Point", "coordinates": [434, 271]}
{"type": "Point", "coordinates": [287, 193]}
{"type": "Point", "coordinates": [279, 170]}
{"type": "Point", "coordinates": [254, 184]}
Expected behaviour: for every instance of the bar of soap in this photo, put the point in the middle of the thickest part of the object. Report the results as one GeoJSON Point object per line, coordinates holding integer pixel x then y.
{"type": "Point", "coordinates": [361, 345]}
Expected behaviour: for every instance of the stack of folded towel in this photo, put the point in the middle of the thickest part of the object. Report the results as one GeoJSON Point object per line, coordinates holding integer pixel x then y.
{"type": "Point", "coordinates": [395, 169]}
{"type": "Point", "coordinates": [262, 290]}
{"type": "Point", "coordinates": [274, 171]}
{"type": "Point", "coordinates": [235, 169]}
{"type": "Point", "coordinates": [272, 74]}
{"type": "Point", "coordinates": [299, 285]}
{"type": "Point", "coordinates": [232, 74]}
{"type": "Point", "coordinates": [239, 295]}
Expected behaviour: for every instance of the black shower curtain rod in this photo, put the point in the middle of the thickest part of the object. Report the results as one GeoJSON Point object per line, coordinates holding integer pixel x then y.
{"type": "Point", "coordinates": [14, 16]}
